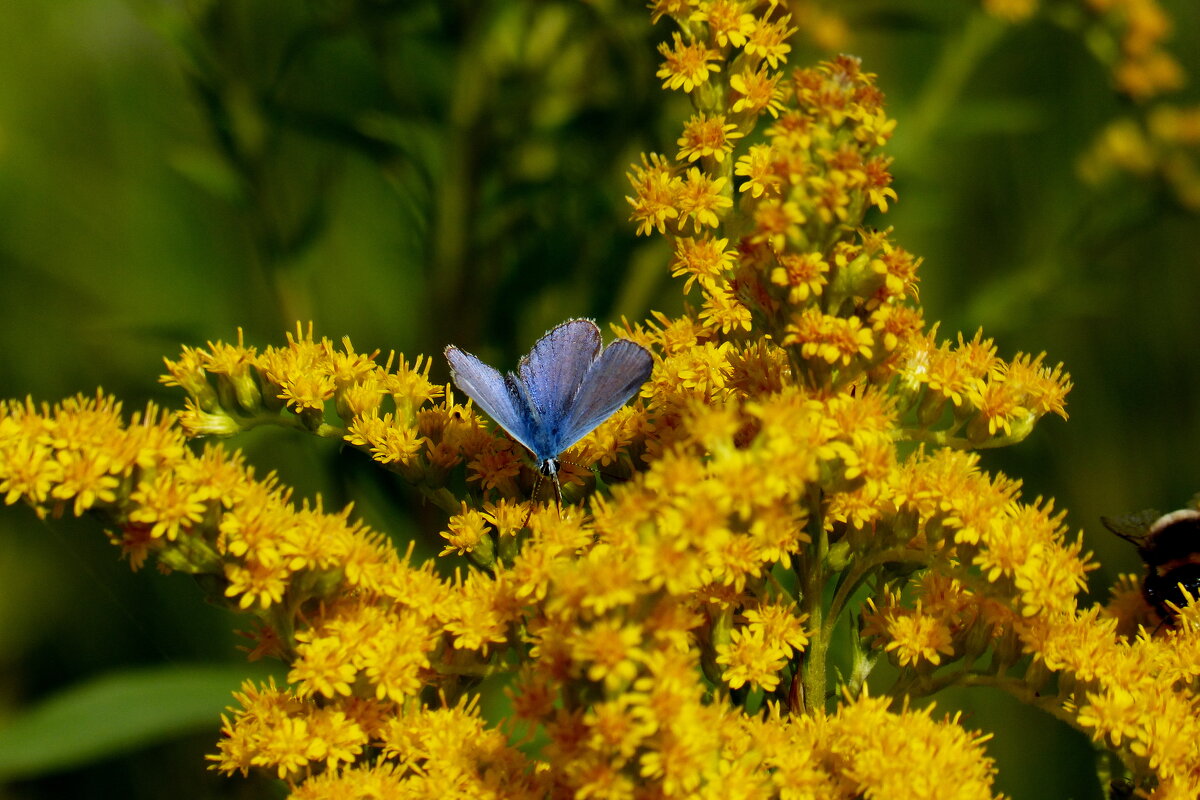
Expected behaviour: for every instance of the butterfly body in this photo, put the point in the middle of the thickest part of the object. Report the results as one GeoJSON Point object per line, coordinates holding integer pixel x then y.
{"type": "Point", "coordinates": [562, 390]}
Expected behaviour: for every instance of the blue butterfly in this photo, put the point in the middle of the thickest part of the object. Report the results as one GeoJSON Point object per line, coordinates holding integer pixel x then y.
{"type": "Point", "coordinates": [560, 392]}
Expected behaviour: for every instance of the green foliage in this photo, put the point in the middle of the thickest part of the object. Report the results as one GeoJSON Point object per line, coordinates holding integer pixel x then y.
{"type": "Point", "coordinates": [115, 714]}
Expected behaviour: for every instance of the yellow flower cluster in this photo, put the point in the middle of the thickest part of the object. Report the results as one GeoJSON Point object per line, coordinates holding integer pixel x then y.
{"type": "Point", "coordinates": [1126, 35]}
{"type": "Point", "coordinates": [797, 469]}
{"type": "Point", "coordinates": [388, 410]}
{"type": "Point", "coordinates": [1164, 147]}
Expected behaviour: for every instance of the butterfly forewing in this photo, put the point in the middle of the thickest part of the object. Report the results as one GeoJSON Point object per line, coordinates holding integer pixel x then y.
{"type": "Point", "coordinates": [609, 382]}
{"type": "Point", "coordinates": [554, 369]}
{"type": "Point", "coordinates": [490, 391]}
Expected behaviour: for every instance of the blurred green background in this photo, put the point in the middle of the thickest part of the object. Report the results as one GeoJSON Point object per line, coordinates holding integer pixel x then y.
{"type": "Point", "coordinates": [417, 172]}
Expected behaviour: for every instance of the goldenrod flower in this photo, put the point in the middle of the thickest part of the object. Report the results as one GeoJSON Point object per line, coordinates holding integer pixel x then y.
{"type": "Point", "coordinates": [802, 274]}
{"type": "Point", "coordinates": [700, 199]}
{"type": "Point", "coordinates": [728, 21]}
{"type": "Point", "coordinates": [758, 168]}
{"type": "Point", "coordinates": [758, 91]}
{"type": "Point", "coordinates": [751, 658]}
{"type": "Point", "coordinates": [466, 531]}
{"type": "Point", "coordinates": [674, 8]}
{"type": "Point", "coordinates": [657, 191]}
{"type": "Point", "coordinates": [707, 136]}
{"type": "Point", "coordinates": [706, 259]}
{"type": "Point", "coordinates": [834, 340]}
{"type": "Point", "coordinates": [687, 65]}
{"type": "Point", "coordinates": [723, 311]}
{"type": "Point", "coordinates": [768, 40]}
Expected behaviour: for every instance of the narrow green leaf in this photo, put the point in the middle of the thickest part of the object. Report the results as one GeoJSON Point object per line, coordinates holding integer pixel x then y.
{"type": "Point", "coordinates": [115, 714]}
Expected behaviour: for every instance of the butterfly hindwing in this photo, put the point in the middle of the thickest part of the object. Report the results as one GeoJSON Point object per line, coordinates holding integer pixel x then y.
{"type": "Point", "coordinates": [609, 382]}
{"type": "Point", "coordinates": [492, 392]}
{"type": "Point", "coordinates": [555, 367]}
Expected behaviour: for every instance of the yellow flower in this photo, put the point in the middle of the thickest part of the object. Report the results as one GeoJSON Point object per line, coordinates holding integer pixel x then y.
{"type": "Point", "coordinates": [700, 198]}
{"type": "Point", "coordinates": [757, 91]}
{"type": "Point", "coordinates": [777, 223]}
{"type": "Point", "coordinates": [803, 274]}
{"type": "Point", "coordinates": [610, 650]}
{"type": "Point", "coordinates": [336, 739]}
{"type": "Point", "coordinates": [388, 440]}
{"type": "Point", "coordinates": [779, 623]}
{"type": "Point", "coordinates": [86, 479]}
{"type": "Point", "coordinates": [768, 41]}
{"type": "Point", "coordinates": [656, 192]}
{"type": "Point", "coordinates": [705, 258]}
{"type": "Point", "coordinates": [727, 20]}
{"type": "Point", "coordinates": [708, 136]}
{"type": "Point", "coordinates": [673, 8]}
{"type": "Point", "coordinates": [835, 340]}
{"type": "Point", "coordinates": [758, 168]}
{"type": "Point", "coordinates": [321, 666]}
{"type": "Point", "coordinates": [723, 311]}
{"type": "Point", "coordinates": [27, 470]}
{"type": "Point", "coordinates": [168, 506]}
{"type": "Point", "coordinates": [687, 65]}
{"type": "Point", "coordinates": [751, 658]}
{"type": "Point", "coordinates": [466, 531]}
{"type": "Point", "coordinates": [391, 650]}
{"type": "Point", "coordinates": [260, 581]}
{"type": "Point", "coordinates": [409, 385]}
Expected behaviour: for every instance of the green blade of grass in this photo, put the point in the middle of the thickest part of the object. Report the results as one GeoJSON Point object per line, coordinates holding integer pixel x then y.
{"type": "Point", "coordinates": [117, 713]}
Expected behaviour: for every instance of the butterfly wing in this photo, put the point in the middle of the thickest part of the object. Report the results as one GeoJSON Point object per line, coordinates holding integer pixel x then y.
{"type": "Point", "coordinates": [495, 394]}
{"type": "Point", "coordinates": [554, 369]}
{"type": "Point", "coordinates": [609, 382]}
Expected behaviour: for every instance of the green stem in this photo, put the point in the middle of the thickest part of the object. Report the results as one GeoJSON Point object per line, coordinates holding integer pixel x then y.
{"type": "Point", "coordinates": [947, 439]}
{"type": "Point", "coordinates": [1017, 687]}
{"type": "Point", "coordinates": [857, 576]}
{"type": "Point", "coordinates": [812, 578]}
{"type": "Point", "coordinates": [289, 420]}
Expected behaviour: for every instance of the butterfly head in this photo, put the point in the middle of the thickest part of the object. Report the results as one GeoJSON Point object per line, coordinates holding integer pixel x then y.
{"type": "Point", "coordinates": [548, 468]}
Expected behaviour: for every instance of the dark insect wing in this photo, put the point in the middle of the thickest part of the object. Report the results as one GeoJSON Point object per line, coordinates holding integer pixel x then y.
{"type": "Point", "coordinates": [554, 368]}
{"type": "Point", "coordinates": [494, 394]}
{"type": "Point", "coordinates": [610, 381]}
{"type": "Point", "coordinates": [1133, 527]}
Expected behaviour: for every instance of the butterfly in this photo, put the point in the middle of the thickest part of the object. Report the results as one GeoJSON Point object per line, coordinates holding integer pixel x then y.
{"type": "Point", "coordinates": [561, 391]}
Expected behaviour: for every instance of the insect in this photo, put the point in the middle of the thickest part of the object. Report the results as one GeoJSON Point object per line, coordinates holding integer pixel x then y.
{"type": "Point", "coordinates": [1170, 546]}
{"type": "Point", "coordinates": [561, 391]}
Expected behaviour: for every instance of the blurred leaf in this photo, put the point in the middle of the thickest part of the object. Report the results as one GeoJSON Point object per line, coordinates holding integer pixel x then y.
{"type": "Point", "coordinates": [115, 714]}
{"type": "Point", "coordinates": [208, 171]}
{"type": "Point", "coordinates": [1008, 116]}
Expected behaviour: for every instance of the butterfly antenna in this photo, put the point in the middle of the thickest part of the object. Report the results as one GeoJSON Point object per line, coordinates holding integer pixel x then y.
{"type": "Point", "coordinates": [609, 477]}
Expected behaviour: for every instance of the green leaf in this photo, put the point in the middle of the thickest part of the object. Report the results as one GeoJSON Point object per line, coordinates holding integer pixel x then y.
{"type": "Point", "coordinates": [115, 714]}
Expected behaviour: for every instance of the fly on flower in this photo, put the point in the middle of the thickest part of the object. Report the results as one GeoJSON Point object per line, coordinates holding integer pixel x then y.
{"type": "Point", "coordinates": [561, 391]}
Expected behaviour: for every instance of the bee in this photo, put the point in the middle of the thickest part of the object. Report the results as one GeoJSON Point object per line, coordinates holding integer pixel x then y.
{"type": "Point", "coordinates": [1170, 546]}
